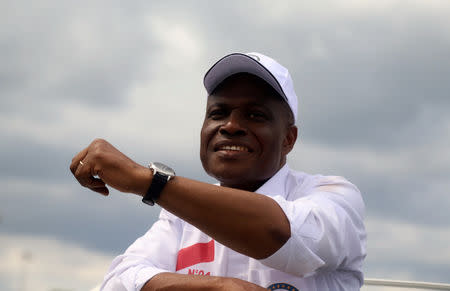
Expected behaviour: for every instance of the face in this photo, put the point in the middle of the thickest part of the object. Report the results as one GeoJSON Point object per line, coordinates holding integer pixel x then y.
{"type": "Point", "coordinates": [246, 133]}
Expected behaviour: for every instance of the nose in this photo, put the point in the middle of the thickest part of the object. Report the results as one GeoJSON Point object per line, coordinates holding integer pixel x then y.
{"type": "Point", "coordinates": [233, 126]}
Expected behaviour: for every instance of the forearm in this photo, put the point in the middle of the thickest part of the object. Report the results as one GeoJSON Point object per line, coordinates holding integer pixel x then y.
{"type": "Point", "coordinates": [179, 282]}
{"type": "Point", "coordinates": [247, 222]}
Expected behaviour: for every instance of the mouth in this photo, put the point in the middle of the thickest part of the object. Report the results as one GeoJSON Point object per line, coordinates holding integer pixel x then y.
{"type": "Point", "coordinates": [232, 148]}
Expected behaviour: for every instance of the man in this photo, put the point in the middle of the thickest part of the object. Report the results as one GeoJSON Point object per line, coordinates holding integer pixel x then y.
{"type": "Point", "coordinates": [265, 226]}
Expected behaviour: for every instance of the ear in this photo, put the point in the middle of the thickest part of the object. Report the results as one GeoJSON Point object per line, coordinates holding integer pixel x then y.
{"type": "Point", "coordinates": [290, 138]}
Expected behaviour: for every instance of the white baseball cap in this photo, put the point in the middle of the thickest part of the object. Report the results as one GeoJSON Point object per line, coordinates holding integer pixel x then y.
{"type": "Point", "coordinates": [256, 64]}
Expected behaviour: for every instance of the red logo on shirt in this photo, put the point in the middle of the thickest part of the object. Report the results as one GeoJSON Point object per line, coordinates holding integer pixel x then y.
{"type": "Point", "coordinates": [195, 254]}
{"type": "Point", "coordinates": [198, 272]}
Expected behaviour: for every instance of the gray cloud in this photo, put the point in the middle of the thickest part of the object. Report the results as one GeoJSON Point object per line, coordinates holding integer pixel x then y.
{"type": "Point", "coordinates": [88, 54]}
{"type": "Point", "coordinates": [372, 82]}
{"type": "Point", "coordinates": [23, 157]}
{"type": "Point", "coordinates": [69, 213]}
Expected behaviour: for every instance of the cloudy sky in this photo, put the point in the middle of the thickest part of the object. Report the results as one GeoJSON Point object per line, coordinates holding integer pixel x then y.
{"type": "Point", "coordinates": [373, 78]}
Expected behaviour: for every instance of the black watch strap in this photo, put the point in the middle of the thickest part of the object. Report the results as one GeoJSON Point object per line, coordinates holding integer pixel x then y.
{"type": "Point", "coordinates": [158, 182]}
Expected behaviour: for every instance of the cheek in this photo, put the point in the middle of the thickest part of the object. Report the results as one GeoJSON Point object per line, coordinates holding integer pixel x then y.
{"type": "Point", "coordinates": [206, 135]}
{"type": "Point", "coordinates": [272, 144]}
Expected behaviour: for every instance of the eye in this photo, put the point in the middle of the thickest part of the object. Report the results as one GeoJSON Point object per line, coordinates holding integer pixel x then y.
{"type": "Point", "coordinates": [257, 115]}
{"type": "Point", "coordinates": [216, 114]}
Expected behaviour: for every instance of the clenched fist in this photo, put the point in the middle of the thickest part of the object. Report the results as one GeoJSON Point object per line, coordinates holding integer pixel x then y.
{"type": "Point", "coordinates": [101, 165]}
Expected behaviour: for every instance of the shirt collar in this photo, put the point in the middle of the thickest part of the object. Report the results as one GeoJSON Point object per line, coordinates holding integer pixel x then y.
{"type": "Point", "coordinates": [275, 185]}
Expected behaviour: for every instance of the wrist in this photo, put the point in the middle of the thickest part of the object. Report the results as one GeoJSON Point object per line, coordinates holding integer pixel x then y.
{"type": "Point", "coordinates": [144, 178]}
{"type": "Point", "coordinates": [161, 174]}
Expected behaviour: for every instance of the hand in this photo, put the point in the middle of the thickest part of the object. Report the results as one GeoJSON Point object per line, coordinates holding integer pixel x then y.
{"type": "Point", "coordinates": [101, 164]}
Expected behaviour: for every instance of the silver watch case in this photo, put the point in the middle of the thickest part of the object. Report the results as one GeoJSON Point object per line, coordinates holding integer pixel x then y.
{"type": "Point", "coordinates": [163, 169]}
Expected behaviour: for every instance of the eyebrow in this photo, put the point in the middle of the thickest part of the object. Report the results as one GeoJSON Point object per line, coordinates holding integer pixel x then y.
{"type": "Point", "coordinates": [223, 104]}
{"type": "Point", "coordinates": [268, 110]}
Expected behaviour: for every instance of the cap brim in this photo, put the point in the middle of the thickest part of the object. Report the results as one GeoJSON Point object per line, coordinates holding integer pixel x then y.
{"type": "Point", "coordinates": [238, 63]}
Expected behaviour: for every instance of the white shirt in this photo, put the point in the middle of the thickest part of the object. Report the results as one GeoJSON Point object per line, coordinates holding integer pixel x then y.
{"type": "Point", "coordinates": [325, 251]}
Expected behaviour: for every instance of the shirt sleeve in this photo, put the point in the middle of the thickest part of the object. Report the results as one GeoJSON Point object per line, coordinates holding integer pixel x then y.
{"type": "Point", "coordinates": [153, 253]}
{"type": "Point", "coordinates": [327, 230]}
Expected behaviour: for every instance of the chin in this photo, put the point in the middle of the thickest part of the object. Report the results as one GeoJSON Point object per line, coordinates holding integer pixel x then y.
{"type": "Point", "coordinates": [236, 178]}
{"type": "Point", "coordinates": [226, 174]}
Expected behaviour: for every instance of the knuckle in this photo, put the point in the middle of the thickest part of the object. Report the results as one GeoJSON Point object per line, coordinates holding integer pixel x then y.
{"type": "Point", "coordinates": [97, 148]}
{"type": "Point", "coordinates": [99, 141]}
{"type": "Point", "coordinates": [98, 154]}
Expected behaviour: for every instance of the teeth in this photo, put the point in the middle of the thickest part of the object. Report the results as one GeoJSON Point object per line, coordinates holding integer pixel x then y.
{"type": "Point", "coordinates": [234, 148]}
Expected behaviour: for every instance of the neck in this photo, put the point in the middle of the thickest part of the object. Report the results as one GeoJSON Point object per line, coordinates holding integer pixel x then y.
{"type": "Point", "coordinates": [249, 186]}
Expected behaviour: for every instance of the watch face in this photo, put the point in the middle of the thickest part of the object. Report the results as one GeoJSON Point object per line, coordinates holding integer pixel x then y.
{"type": "Point", "coordinates": [163, 169]}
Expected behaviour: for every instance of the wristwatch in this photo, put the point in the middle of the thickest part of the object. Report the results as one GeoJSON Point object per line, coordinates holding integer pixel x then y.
{"type": "Point", "coordinates": [161, 175]}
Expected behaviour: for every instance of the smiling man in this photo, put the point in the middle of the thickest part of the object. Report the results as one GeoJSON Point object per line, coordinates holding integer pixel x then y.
{"type": "Point", "coordinates": [265, 227]}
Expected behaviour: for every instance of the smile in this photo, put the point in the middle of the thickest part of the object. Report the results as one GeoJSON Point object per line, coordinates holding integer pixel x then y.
{"type": "Point", "coordinates": [233, 148]}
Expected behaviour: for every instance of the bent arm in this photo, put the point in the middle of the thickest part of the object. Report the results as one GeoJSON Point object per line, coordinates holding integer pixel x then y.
{"type": "Point", "coordinates": [246, 222]}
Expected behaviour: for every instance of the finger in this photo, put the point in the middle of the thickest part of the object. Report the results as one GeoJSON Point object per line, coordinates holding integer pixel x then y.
{"type": "Point", "coordinates": [83, 173]}
{"type": "Point", "coordinates": [99, 186]}
{"type": "Point", "coordinates": [95, 183]}
{"type": "Point", "coordinates": [76, 160]}
{"type": "Point", "coordinates": [102, 190]}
